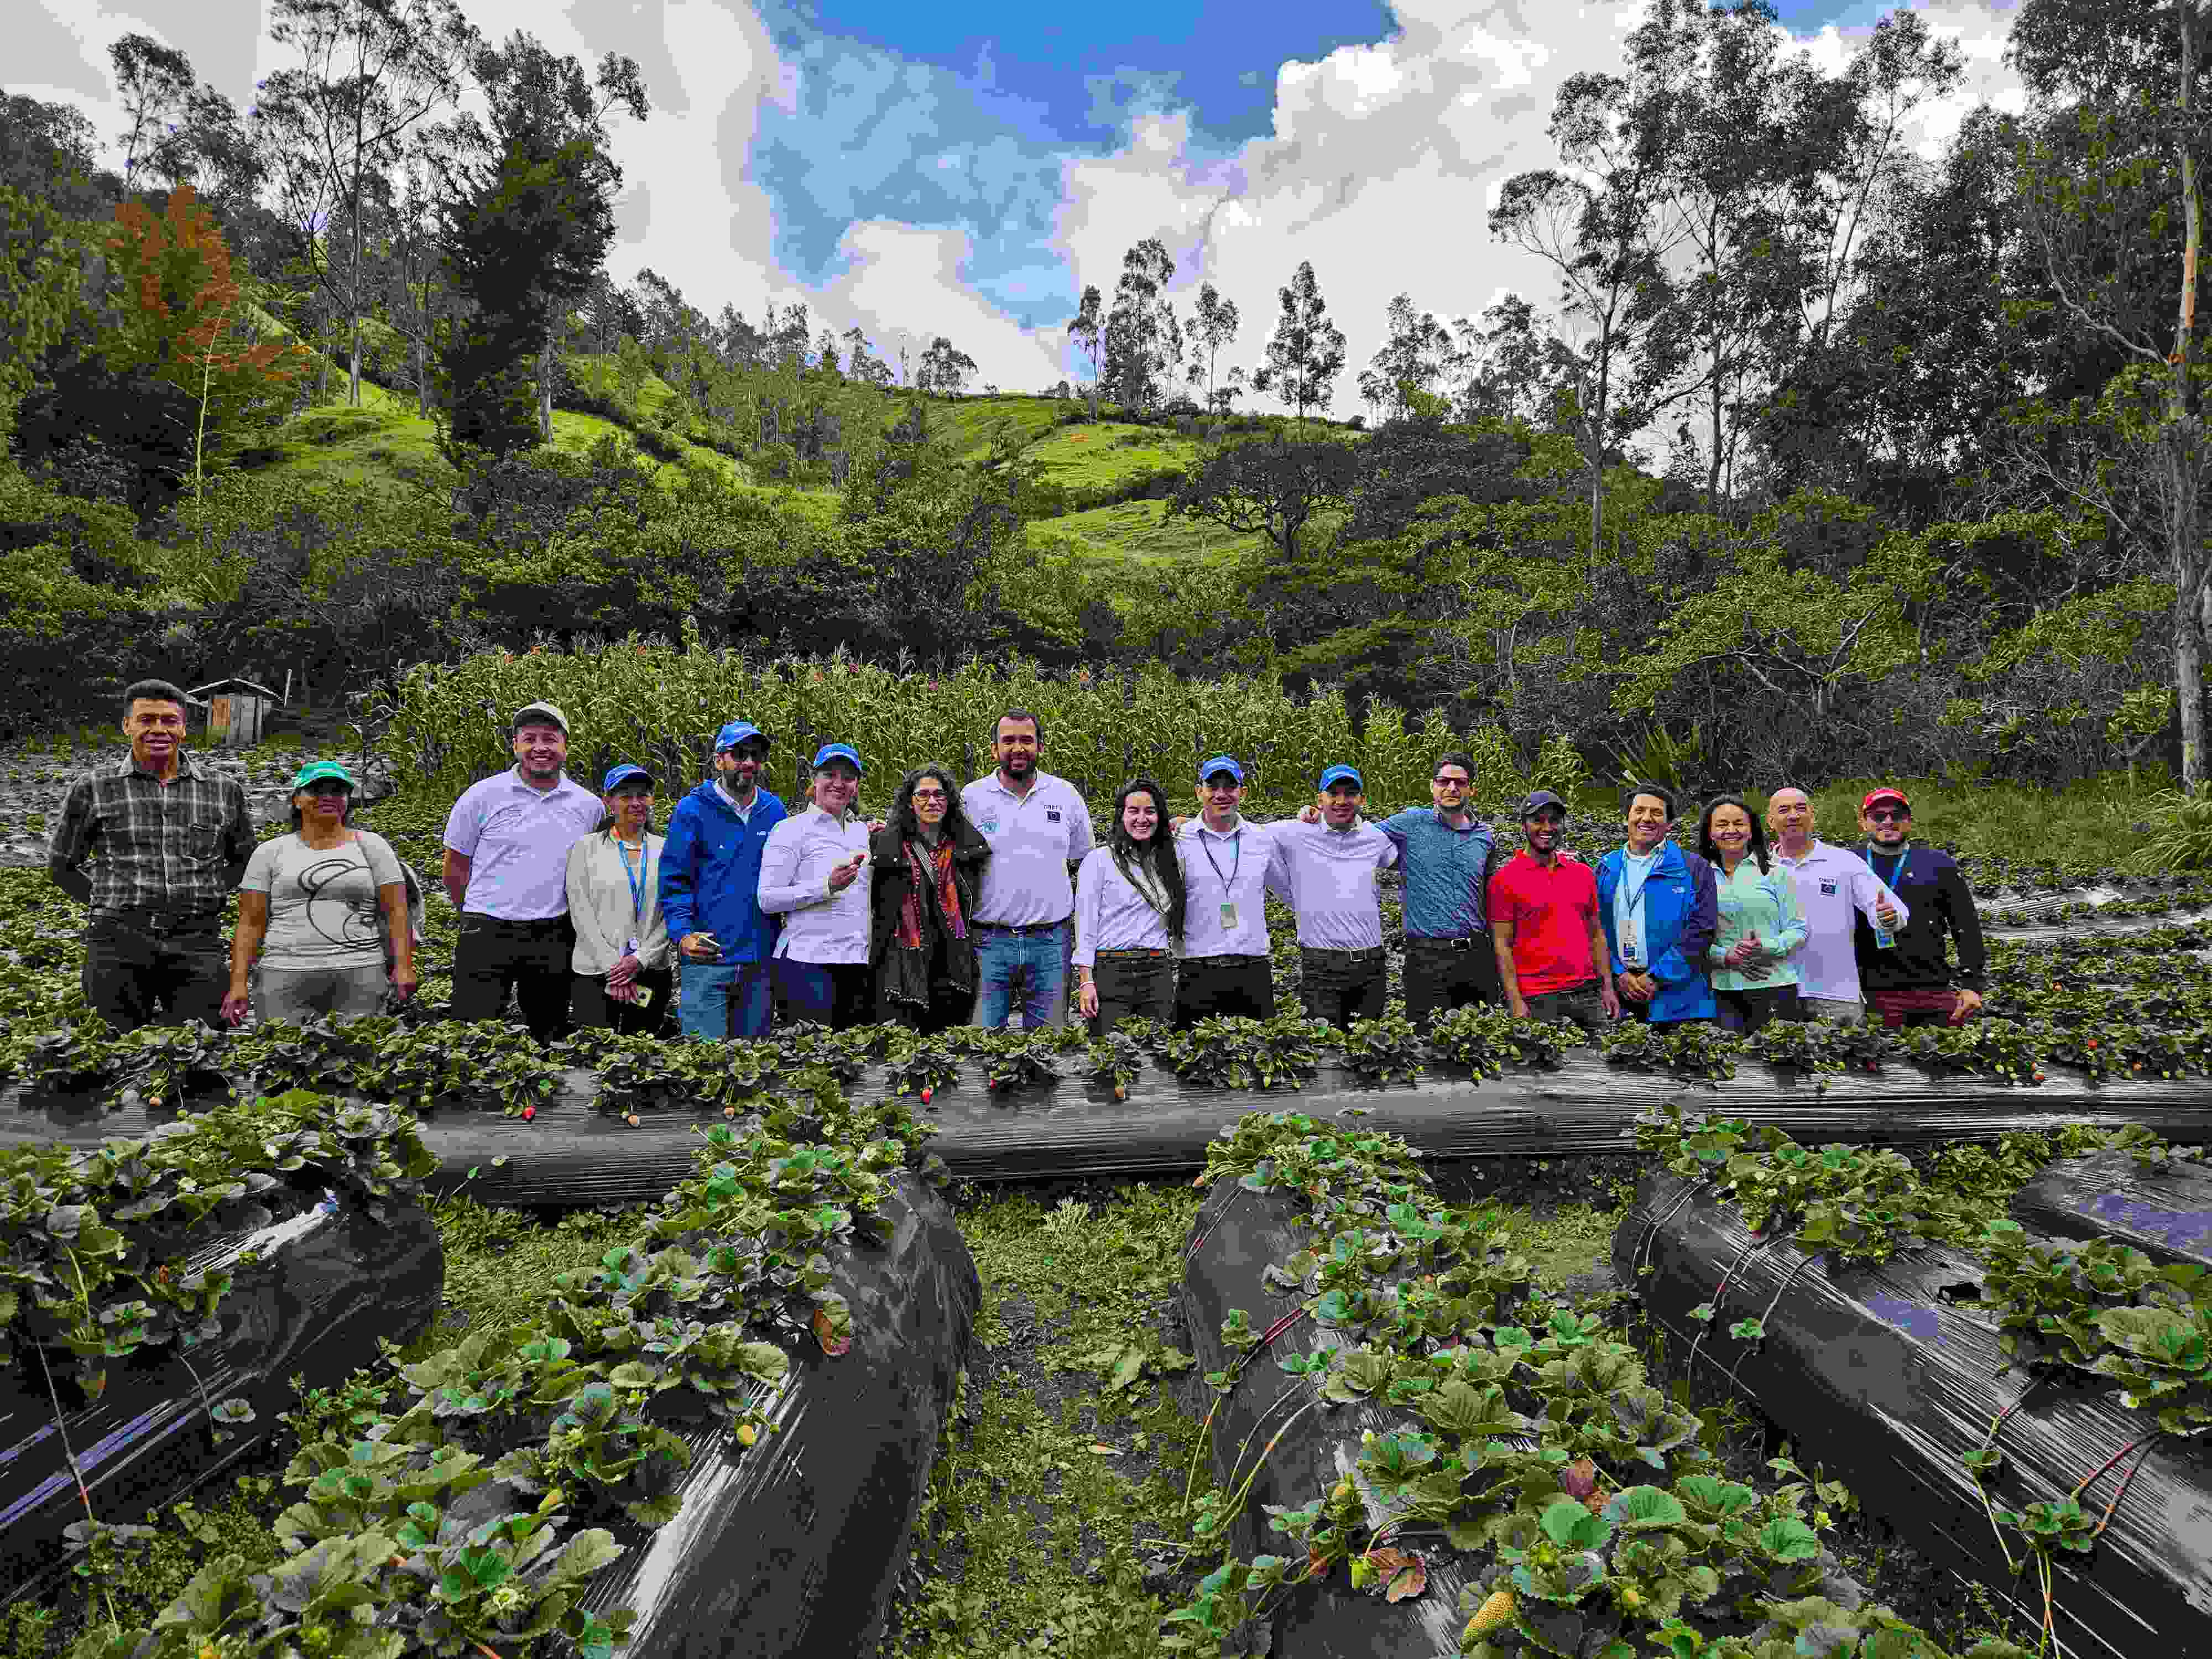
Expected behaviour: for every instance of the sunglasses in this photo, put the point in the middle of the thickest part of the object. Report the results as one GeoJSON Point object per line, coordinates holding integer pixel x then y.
{"type": "Point", "coordinates": [1887, 815]}
{"type": "Point", "coordinates": [1451, 783]}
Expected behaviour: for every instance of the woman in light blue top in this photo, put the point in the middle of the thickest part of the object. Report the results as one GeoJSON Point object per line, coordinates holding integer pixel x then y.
{"type": "Point", "coordinates": [1761, 923]}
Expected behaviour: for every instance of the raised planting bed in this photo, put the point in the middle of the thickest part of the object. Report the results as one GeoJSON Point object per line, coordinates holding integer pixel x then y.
{"type": "Point", "coordinates": [1916, 1373]}
{"type": "Point", "coordinates": [2163, 1209]}
{"type": "Point", "coordinates": [162, 1295]}
{"type": "Point", "coordinates": [1414, 1455]}
{"type": "Point", "coordinates": [716, 1441]}
{"type": "Point", "coordinates": [511, 1126]}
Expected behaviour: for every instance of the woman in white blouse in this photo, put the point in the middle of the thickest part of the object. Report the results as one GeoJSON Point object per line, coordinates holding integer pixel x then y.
{"type": "Point", "coordinates": [1129, 908]}
{"type": "Point", "coordinates": [623, 972]}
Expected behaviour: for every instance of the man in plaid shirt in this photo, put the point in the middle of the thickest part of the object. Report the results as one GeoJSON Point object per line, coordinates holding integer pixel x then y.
{"type": "Point", "coordinates": [167, 841]}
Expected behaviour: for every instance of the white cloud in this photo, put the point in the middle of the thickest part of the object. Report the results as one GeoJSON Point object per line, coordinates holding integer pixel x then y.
{"type": "Point", "coordinates": [904, 284]}
{"type": "Point", "coordinates": [1385, 159]}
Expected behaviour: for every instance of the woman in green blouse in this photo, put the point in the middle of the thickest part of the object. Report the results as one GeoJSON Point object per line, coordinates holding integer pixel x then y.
{"type": "Point", "coordinates": [1761, 923]}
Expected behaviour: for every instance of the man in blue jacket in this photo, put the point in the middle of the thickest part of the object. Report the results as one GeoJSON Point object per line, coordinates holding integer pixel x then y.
{"type": "Point", "coordinates": [1661, 907]}
{"type": "Point", "coordinates": [710, 887]}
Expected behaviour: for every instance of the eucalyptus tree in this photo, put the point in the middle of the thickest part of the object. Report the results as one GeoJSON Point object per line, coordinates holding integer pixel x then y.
{"type": "Point", "coordinates": [2111, 183]}
{"type": "Point", "coordinates": [370, 72]}
{"type": "Point", "coordinates": [1305, 353]}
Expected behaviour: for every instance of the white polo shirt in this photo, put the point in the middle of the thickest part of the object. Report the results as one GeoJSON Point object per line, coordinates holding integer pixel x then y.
{"type": "Point", "coordinates": [819, 925]}
{"type": "Point", "coordinates": [1833, 886]}
{"type": "Point", "coordinates": [1333, 876]}
{"type": "Point", "coordinates": [517, 840]}
{"type": "Point", "coordinates": [1239, 869]}
{"type": "Point", "coordinates": [1034, 838]}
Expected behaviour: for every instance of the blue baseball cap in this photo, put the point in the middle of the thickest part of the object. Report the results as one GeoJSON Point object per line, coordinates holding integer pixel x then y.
{"type": "Point", "coordinates": [618, 775]}
{"type": "Point", "coordinates": [1221, 764]}
{"type": "Point", "coordinates": [1343, 775]}
{"type": "Point", "coordinates": [738, 731]}
{"type": "Point", "coordinates": [843, 751]}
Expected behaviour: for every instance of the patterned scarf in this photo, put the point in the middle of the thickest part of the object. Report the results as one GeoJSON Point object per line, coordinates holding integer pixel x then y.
{"type": "Point", "coordinates": [948, 895]}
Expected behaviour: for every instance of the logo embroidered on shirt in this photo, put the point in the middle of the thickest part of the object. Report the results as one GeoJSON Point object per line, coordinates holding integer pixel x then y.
{"type": "Point", "coordinates": [1052, 815]}
{"type": "Point", "coordinates": [1827, 890]}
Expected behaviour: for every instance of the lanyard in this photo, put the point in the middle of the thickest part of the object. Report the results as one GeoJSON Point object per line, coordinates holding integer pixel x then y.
{"type": "Point", "coordinates": [636, 882]}
{"type": "Point", "coordinates": [1235, 862]}
{"type": "Point", "coordinates": [1634, 901]}
{"type": "Point", "coordinates": [1889, 880]}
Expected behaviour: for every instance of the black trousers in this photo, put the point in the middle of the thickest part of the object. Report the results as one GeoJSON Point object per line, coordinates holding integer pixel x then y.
{"type": "Point", "coordinates": [1208, 986]}
{"type": "Point", "coordinates": [529, 958]}
{"type": "Point", "coordinates": [1443, 974]}
{"type": "Point", "coordinates": [590, 1005]}
{"type": "Point", "coordinates": [1342, 986]}
{"type": "Point", "coordinates": [136, 973]}
{"type": "Point", "coordinates": [1747, 1011]}
{"type": "Point", "coordinates": [1135, 987]}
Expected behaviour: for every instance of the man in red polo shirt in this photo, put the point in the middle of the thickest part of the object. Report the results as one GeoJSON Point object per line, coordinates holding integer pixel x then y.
{"type": "Point", "coordinates": [1551, 950]}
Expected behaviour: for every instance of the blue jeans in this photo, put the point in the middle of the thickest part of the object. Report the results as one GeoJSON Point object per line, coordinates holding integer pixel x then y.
{"type": "Point", "coordinates": [1035, 960]}
{"type": "Point", "coordinates": [725, 1000]}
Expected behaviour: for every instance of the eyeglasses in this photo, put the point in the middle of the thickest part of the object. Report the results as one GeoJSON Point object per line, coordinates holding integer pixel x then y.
{"type": "Point", "coordinates": [930, 794]}
{"type": "Point", "coordinates": [1887, 815]}
{"type": "Point", "coordinates": [1451, 783]}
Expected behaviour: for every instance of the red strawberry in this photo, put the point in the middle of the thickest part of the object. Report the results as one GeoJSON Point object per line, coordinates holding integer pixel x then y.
{"type": "Point", "coordinates": [529, 1112]}
{"type": "Point", "coordinates": [927, 1091]}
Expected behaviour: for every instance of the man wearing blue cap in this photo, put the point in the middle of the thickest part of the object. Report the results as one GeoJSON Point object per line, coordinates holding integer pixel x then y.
{"type": "Point", "coordinates": [1332, 869]}
{"type": "Point", "coordinates": [507, 871]}
{"type": "Point", "coordinates": [1229, 866]}
{"type": "Point", "coordinates": [809, 876]}
{"type": "Point", "coordinates": [710, 891]}
{"type": "Point", "coordinates": [1039, 831]}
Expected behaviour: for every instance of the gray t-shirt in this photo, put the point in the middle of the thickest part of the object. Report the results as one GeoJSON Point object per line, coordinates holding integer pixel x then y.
{"type": "Point", "coordinates": [323, 907]}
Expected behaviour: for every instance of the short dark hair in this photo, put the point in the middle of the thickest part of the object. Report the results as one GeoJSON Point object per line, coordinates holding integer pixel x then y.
{"type": "Point", "coordinates": [1658, 792]}
{"type": "Point", "coordinates": [1018, 714]}
{"type": "Point", "coordinates": [153, 691]}
{"type": "Point", "coordinates": [1458, 757]}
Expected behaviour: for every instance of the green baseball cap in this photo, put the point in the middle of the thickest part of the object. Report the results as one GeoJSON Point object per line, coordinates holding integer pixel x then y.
{"type": "Point", "coordinates": [314, 771]}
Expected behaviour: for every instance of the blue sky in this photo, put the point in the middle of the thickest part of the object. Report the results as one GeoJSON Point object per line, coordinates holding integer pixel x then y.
{"type": "Point", "coordinates": [967, 170]}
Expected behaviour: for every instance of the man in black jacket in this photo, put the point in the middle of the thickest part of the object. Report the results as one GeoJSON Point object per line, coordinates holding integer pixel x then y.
{"type": "Point", "coordinates": [1910, 981]}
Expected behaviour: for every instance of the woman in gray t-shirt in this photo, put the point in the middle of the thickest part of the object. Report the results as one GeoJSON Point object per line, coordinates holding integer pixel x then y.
{"type": "Point", "coordinates": [321, 907]}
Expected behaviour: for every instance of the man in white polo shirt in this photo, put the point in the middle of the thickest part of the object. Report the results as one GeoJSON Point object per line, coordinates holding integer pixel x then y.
{"type": "Point", "coordinates": [809, 875]}
{"type": "Point", "coordinates": [507, 871]}
{"type": "Point", "coordinates": [1229, 866]}
{"type": "Point", "coordinates": [1331, 869]}
{"type": "Point", "coordinates": [1039, 831]}
{"type": "Point", "coordinates": [1834, 887]}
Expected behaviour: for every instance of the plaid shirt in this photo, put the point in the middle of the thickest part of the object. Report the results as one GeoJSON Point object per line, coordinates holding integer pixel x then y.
{"type": "Point", "coordinates": [179, 847]}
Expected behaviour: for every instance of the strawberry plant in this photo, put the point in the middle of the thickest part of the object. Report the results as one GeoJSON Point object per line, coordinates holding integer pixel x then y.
{"type": "Point", "coordinates": [1487, 1040]}
{"type": "Point", "coordinates": [1115, 1062]}
{"type": "Point", "coordinates": [1999, 1049]}
{"type": "Point", "coordinates": [1690, 1049]}
{"type": "Point", "coordinates": [1387, 1050]}
{"type": "Point", "coordinates": [1817, 1046]}
{"type": "Point", "coordinates": [1019, 1065]}
{"type": "Point", "coordinates": [923, 1071]}
{"type": "Point", "coordinates": [1229, 1052]}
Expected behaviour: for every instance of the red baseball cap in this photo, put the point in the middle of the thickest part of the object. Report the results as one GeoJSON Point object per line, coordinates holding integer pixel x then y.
{"type": "Point", "coordinates": [1874, 795]}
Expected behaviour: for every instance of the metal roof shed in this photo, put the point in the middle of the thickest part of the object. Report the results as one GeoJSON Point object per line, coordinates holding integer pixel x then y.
{"type": "Point", "coordinates": [236, 708]}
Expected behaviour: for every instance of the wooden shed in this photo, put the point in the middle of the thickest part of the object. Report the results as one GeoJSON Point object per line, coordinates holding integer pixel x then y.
{"type": "Point", "coordinates": [237, 710]}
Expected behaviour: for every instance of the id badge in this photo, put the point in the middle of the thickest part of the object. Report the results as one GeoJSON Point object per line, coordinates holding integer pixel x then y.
{"type": "Point", "coordinates": [1229, 918]}
{"type": "Point", "coordinates": [645, 996]}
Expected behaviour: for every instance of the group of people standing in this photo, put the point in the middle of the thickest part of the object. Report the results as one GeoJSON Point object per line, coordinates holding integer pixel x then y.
{"type": "Point", "coordinates": [966, 903]}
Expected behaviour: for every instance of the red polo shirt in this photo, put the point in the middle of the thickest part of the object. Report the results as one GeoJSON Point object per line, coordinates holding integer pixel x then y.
{"type": "Point", "coordinates": [1551, 910]}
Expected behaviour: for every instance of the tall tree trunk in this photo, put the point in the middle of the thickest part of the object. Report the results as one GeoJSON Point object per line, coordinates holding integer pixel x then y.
{"type": "Point", "coordinates": [353, 301]}
{"type": "Point", "coordinates": [545, 386]}
{"type": "Point", "coordinates": [2183, 456]}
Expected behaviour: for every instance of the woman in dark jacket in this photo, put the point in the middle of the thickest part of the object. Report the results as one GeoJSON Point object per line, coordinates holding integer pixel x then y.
{"type": "Point", "coordinates": [926, 860]}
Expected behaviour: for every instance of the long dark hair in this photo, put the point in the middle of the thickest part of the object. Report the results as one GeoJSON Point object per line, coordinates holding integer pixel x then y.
{"type": "Point", "coordinates": [903, 819]}
{"type": "Point", "coordinates": [1711, 854]}
{"type": "Point", "coordinates": [1159, 855]}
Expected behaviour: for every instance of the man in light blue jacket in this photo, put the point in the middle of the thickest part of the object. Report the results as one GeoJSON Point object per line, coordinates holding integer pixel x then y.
{"type": "Point", "coordinates": [709, 891]}
{"type": "Point", "coordinates": [1661, 907]}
